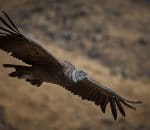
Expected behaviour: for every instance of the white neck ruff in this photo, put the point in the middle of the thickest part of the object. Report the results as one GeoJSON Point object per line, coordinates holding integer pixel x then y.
{"type": "Point", "coordinates": [73, 76]}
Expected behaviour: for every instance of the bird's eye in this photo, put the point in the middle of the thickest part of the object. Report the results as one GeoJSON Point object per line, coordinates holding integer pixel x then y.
{"type": "Point", "coordinates": [82, 73]}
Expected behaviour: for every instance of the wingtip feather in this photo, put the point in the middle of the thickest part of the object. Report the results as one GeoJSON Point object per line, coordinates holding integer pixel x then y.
{"type": "Point", "coordinates": [120, 107]}
{"type": "Point", "coordinates": [14, 26]}
{"type": "Point", "coordinates": [113, 108]}
{"type": "Point", "coordinates": [134, 102]}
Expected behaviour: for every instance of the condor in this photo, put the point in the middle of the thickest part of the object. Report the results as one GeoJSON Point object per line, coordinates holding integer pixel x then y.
{"type": "Point", "coordinates": [44, 67]}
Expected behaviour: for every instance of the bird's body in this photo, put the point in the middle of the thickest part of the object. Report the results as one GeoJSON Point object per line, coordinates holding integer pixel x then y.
{"type": "Point", "coordinates": [54, 75]}
{"type": "Point", "coordinates": [45, 73]}
{"type": "Point", "coordinates": [44, 67]}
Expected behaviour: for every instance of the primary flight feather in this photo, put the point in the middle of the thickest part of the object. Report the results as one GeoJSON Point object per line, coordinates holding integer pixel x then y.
{"type": "Point", "coordinates": [44, 67]}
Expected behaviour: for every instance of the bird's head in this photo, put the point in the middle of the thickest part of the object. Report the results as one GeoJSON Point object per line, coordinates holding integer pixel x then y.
{"type": "Point", "coordinates": [79, 75]}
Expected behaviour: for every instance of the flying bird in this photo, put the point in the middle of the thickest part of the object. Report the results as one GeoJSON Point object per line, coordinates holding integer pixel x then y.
{"type": "Point", "coordinates": [42, 66]}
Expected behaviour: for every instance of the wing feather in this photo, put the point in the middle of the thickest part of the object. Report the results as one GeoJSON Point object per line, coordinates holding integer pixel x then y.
{"type": "Point", "coordinates": [104, 104]}
{"type": "Point", "coordinates": [9, 19]}
{"type": "Point", "coordinates": [101, 95]}
{"type": "Point", "coordinates": [6, 24]}
{"type": "Point", "coordinates": [22, 47]}
{"type": "Point", "coordinates": [113, 108]}
{"type": "Point", "coordinates": [120, 107]}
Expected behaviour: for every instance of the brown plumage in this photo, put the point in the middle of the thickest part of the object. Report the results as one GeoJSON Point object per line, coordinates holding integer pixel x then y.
{"type": "Point", "coordinates": [44, 67]}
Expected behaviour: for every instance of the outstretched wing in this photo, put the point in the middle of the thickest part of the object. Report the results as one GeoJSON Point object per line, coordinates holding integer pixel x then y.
{"type": "Point", "coordinates": [22, 47]}
{"type": "Point", "coordinates": [92, 91]}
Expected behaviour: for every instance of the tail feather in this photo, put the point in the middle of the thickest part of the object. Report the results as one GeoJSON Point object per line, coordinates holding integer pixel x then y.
{"type": "Point", "coordinates": [13, 74]}
{"type": "Point", "coordinates": [23, 72]}
{"type": "Point", "coordinates": [13, 66]}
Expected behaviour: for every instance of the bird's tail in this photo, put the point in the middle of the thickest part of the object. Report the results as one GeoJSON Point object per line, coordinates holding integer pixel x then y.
{"type": "Point", "coordinates": [23, 72]}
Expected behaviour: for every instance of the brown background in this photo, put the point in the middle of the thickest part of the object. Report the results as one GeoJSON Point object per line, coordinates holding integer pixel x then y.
{"type": "Point", "coordinates": [108, 39]}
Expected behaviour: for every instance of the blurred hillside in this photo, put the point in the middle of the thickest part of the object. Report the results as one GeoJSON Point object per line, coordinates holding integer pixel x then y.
{"type": "Point", "coordinates": [108, 39]}
{"type": "Point", "coordinates": [115, 33]}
